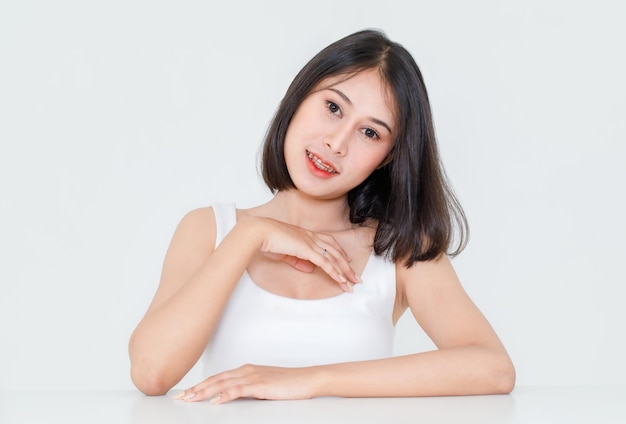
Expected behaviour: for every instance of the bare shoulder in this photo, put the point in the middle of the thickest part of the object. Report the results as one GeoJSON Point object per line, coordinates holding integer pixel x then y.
{"type": "Point", "coordinates": [197, 227]}
{"type": "Point", "coordinates": [426, 278]}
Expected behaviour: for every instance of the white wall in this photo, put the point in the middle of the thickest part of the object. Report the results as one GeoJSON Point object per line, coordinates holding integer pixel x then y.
{"type": "Point", "coordinates": [117, 117]}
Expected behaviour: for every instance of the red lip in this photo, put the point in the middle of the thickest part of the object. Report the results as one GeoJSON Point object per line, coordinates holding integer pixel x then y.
{"type": "Point", "coordinates": [328, 171]}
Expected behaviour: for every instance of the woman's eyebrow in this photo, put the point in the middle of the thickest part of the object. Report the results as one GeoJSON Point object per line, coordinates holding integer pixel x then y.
{"type": "Point", "coordinates": [347, 100]}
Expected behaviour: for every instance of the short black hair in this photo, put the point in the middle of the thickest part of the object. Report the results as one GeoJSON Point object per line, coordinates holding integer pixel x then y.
{"type": "Point", "coordinates": [416, 211]}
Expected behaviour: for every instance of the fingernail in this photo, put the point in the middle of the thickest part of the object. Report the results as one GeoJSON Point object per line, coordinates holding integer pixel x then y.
{"type": "Point", "coordinates": [358, 278]}
{"type": "Point", "coordinates": [189, 396]}
{"type": "Point", "coordinates": [216, 398]}
{"type": "Point", "coordinates": [350, 286]}
{"type": "Point", "coordinates": [343, 278]}
{"type": "Point", "coordinates": [179, 396]}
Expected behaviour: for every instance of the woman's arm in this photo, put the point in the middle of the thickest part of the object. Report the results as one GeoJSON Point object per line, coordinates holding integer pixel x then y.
{"type": "Point", "coordinates": [197, 281]}
{"type": "Point", "coordinates": [470, 358]}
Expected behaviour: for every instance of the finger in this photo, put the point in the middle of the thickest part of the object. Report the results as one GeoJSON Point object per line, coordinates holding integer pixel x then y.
{"type": "Point", "coordinates": [225, 390]}
{"type": "Point", "coordinates": [303, 265]}
{"type": "Point", "coordinates": [335, 264]}
{"type": "Point", "coordinates": [196, 392]}
{"type": "Point", "coordinates": [329, 241]}
{"type": "Point", "coordinates": [232, 393]}
{"type": "Point", "coordinates": [326, 261]}
{"type": "Point", "coordinates": [215, 385]}
{"type": "Point", "coordinates": [342, 260]}
{"type": "Point", "coordinates": [299, 264]}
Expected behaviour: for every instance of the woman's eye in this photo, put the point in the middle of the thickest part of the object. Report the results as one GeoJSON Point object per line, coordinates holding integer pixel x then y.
{"type": "Point", "coordinates": [333, 108]}
{"type": "Point", "coordinates": [370, 133]}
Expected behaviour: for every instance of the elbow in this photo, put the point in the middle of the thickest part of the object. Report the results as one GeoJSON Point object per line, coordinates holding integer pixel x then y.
{"type": "Point", "coordinates": [503, 381]}
{"type": "Point", "coordinates": [148, 382]}
{"type": "Point", "coordinates": [147, 374]}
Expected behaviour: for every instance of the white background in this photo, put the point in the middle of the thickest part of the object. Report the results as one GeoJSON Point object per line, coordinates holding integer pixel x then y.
{"type": "Point", "coordinates": [117, 117]}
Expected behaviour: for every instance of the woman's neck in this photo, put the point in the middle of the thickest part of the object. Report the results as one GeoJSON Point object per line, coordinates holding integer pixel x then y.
{"type": "Point", "coordinates": [314, 214]}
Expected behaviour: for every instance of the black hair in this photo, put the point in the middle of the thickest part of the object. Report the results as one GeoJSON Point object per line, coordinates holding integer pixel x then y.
{"type": "Point", "coordinates": [409, 197]}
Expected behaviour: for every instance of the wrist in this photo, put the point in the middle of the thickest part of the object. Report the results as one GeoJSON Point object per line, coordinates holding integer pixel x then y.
{"type": "Point", "coordinates": [248, 228]}
{"type": "Point", "coordinates": [320, 379]}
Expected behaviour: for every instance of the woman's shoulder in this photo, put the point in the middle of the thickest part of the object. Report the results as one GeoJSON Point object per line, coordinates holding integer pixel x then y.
{"type": "Point", "coordinates": [207, 215]}
{"type": "Point", "coordinates": [197, 228]}
{"type": "Point", "coordinates": [199, 217]}
{"type": "Point", "coordinates": [209, 224]}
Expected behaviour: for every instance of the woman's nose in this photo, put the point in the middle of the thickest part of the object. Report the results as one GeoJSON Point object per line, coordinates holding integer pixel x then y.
{"type": "Point", "coordinates": [338, 140]}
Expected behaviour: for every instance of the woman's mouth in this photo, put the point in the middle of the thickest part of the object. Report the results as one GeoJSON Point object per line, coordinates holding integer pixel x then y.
{"type": "Point", "coordinates": [319, 164]}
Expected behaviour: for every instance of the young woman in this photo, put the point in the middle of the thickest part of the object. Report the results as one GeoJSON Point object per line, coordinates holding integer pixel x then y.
{"type": "Point", "coordinates": [298, 297]}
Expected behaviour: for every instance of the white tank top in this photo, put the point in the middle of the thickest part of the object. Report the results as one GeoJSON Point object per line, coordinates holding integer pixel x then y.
{"type": "Point", "coordinates": [262, 328]}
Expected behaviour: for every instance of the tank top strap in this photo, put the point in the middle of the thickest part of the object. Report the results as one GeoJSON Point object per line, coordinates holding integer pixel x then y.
{"type": "Point", "coordinates": [225, 219]}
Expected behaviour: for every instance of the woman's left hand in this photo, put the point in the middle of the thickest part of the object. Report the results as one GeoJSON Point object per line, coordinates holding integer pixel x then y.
{"type": "Point", "coordinates": [253, 381]}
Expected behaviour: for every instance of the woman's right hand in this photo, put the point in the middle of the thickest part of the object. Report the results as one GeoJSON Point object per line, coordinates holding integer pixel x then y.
{"type": "Point", "coordinates": [303, 249]}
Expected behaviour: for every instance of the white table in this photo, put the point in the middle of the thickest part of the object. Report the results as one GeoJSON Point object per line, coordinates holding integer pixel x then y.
{"type": "Point", "coordinates": [571, 405]}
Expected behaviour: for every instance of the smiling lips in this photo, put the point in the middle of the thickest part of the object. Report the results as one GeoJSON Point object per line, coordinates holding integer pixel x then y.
{"type": "Point", "coordinates": [319, 164]}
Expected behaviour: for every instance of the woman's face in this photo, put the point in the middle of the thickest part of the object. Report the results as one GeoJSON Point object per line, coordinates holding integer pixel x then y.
{"type": "Point", "coordinates": [340, 134]}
